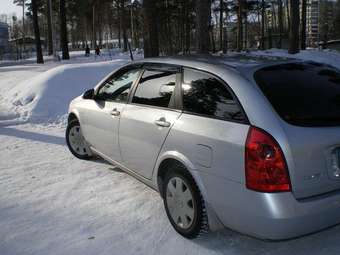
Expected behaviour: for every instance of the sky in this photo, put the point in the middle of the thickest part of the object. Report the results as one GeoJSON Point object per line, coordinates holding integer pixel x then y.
{"type": "Point", "coordinates": [7, 7]}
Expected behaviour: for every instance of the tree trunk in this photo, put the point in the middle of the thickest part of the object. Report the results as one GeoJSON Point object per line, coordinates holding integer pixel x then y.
{"type": "Point", "coordinates": [263, 20]}
{"type": "Point", "coordinates": [221, 24]}
{"type": "Point", "coordinates": [94, 39]}
{"type": "Point", "coordinates": [270, 37]}
{"type": "Point", "coordinates": [151, 44]}
{"type": "Point", "coordinates": [274, 19]}
{"type": "Point", "coordinates": [120, 34]}
{"type": "Point", "coordinates": [211, 32]}
{"type": "Point", "coordinates": [40, 59]}
{"type": "Point", "coordinates": [303, 24]}
{"type": "Point", "coordinates": [225, 34]}
{"type": "Point", "coordinates": [203, 10]}
{"type": "Point", "coordinates": [288, 15]}
{"type": "Point", "coordinates": [122, 16]}
{"type": "Point", "coordinates": [240, 25]}
{"type": "Point", "coordinates": [187, 29]}
{"type": "Point", "coordinates": [100, 29]}
{"type": "Point", "coordinates": [49, 29]}
{"type": "Point", "coordinates": [280, 19]}
{"type": "Point", "coordinates": [294, 27]}
{"type": "Point", "coordinates": [337, 20]}
{"type": "Point", "coordinates": [245, 28]}
{"type": "Point", "coordinates": [63, 30]}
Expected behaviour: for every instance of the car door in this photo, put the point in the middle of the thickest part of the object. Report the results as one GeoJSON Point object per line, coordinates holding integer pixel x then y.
{"type": "Point", "coordinates": [102, 116]}
{"type": "Point", "coordinates": [147, 119]}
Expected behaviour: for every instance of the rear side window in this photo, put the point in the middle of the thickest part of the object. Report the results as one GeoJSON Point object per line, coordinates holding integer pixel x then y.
{"type": "Point", "coordinates": [204, 94]}
{"type": "Point", "coordinates": [303, 94]}
{"type": "Point", "coordinates": [155, 88]}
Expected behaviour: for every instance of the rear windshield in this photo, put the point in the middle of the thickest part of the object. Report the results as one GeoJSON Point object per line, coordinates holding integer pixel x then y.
{"type": "Point", "coordinates": [303, 94]}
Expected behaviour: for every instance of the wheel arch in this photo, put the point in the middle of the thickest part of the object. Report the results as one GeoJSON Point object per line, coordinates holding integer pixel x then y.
{"type": "Point", "coordinates": [161, 168]}
{"type": "Point", "coordinates": [73, 115]}
{"type": "Point", "coordinates": [166, 160]}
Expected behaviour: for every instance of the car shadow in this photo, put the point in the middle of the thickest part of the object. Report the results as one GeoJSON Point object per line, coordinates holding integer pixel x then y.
{"type": "Point", "coordinates": [32, 136]}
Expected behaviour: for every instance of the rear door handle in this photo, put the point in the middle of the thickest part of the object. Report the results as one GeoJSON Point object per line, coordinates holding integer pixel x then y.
{"type": "Point", "coordinates": [162, 122]}
{"type": "Point", "coordinates": [114, 112]}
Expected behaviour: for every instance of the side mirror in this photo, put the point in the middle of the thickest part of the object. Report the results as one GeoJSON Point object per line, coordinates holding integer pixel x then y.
{"type": "Point", "coordinates": [89, 94]}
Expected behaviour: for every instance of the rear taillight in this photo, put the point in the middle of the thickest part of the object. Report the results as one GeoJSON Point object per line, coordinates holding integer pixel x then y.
{"type": "Point", "coordinates": [266, 168]}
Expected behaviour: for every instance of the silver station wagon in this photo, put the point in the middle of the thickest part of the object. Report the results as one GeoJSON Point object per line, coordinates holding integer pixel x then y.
{"type": "Point", "coordinates": [248, 144]}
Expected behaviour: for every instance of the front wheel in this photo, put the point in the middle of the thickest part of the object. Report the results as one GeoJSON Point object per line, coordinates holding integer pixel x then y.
{"type": "Point", "coordinates": [184, 204]}
{"type": "Point", "coordinates": [76, 142]}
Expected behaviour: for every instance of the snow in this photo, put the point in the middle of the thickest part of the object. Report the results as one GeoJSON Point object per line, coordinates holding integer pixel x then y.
{"type": "Point", "coordinates": [53, 203]}
{"type": "Point", "coordinates": [329, 57]}
{"type": "Point", "coordinates": [47, 96]}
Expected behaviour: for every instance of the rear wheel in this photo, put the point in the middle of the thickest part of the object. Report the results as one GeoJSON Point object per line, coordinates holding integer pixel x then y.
{"type": "Point", "coordinates": [184, 204]}
{"type": "Point", "coordinates": [76, 142]}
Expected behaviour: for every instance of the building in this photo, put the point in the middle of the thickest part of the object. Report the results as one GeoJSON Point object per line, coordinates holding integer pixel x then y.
{"type": "Point", "coordinates": [318, 23]}
{"type": "Point", "coordinates": [4, 36]}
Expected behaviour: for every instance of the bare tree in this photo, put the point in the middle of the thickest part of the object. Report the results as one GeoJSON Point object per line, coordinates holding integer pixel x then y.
{"type": "Point", "coordinates": [40, 59]}
{"type": "Point", "coordinates": [294, 27]}
{"type": "Point", "coordinates": [203, 12]}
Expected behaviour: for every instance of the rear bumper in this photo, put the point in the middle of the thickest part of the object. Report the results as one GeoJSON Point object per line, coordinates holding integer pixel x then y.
{"type": "Point", "coordinates": [275, 216]}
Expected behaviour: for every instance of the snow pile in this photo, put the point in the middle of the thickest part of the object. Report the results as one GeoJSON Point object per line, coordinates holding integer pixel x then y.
{"type": "Point", "coordinates": [45, 97]}
{"type": "Point", "coordinates": [330, 57]}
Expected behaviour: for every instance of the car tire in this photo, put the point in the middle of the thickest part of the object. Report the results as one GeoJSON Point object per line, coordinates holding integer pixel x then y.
{"type": "Point", "coordinates": [76, 142]}
{"type": "Point", "coordinates": [181, 193]}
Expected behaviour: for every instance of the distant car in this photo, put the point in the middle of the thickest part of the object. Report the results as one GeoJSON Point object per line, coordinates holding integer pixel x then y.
{"type": "Point", "coordinates": [252, 145]}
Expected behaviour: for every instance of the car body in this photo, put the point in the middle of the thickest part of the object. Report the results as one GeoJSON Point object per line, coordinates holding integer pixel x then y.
{"type": "Point", "coordinates": [142, 138]}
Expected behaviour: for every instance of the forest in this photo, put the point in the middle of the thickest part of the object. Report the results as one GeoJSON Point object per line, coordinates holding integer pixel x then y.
{"type": "Point", "coordinates": [169, 27]}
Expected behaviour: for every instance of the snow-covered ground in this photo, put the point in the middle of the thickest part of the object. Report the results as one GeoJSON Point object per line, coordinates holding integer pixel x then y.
{"type": "Point", "coordinates": [53, 203]}
{"type": "Point", "coordinates": [329, 57]}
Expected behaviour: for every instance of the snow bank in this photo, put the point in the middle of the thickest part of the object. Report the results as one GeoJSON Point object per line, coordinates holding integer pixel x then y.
{"type": "Point", "coordinates": [45, 98]}
{"type": "Point", "coordinates": [330, 57]}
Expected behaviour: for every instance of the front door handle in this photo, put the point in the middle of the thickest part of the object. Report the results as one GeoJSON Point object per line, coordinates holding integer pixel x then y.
{"type": "Point", "coordinates": [162, 122]}
{"type": "Point", "coordinates": [114, 112]}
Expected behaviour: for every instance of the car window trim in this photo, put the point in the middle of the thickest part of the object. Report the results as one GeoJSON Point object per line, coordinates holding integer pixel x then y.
{"type": "Point", "coordinates": [225, 84]}
{"type": "Point", "coordinates": [158, 67]}
{"type": "Point", "coordinates": [126, 69]}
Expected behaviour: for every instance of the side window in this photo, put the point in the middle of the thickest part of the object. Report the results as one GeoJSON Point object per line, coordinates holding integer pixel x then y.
{"type": "Point", "coordinates": [206, 95]}
{"type": "Point", "coordinates": [155, 88]}
{"type": "Point", "coordinates": [118, 86]}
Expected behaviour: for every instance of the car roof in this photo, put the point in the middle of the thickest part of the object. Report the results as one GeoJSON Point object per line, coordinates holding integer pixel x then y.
{"type": "Point", "coordinates": [242, 63]}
